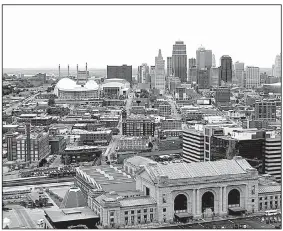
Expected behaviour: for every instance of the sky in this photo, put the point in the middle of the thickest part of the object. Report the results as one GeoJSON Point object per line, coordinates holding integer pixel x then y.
{"type": "Point", "coordinates": [45, 36]}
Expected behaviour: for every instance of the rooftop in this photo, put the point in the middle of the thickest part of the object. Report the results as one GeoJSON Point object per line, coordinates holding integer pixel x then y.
{"type": "Point", "coordinates": [139, 160]}
{"type": "Point", "coordinates": [269, 188]}
{"type": "Point", "coordinates": [61, 215]}
{"type": "Point", "coordinates": [107, 177]}
{"type": "Point", "coordinates": [200, 169]}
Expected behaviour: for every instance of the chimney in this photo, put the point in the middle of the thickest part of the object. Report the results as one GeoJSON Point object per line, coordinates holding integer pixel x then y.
{"type": "Point", "coordinates": [85, 66]}
{"type": "Point", "coordinates": [28, 157]}
{"type": "Point", "coordinates": [77, 71]}
{"type": "Point", "coordinates": [68, 71]}
{"type": "Point", "coordinates": [59, 71]}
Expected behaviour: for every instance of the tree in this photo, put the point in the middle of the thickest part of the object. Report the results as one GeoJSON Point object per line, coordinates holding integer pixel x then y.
{"type": "Point", "coordinates": [51, 102]}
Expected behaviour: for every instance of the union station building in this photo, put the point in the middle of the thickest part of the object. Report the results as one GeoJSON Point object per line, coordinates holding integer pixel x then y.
{"type": "Point", "coordinates": [157, 192]}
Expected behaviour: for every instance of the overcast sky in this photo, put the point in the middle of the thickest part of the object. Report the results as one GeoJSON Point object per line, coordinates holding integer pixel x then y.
{"type": "Point", "coordinates": [44, 36]}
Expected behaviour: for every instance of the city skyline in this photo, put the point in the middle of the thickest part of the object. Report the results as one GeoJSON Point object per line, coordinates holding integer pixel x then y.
{"type": "Point", "coordinates": [61, 43]}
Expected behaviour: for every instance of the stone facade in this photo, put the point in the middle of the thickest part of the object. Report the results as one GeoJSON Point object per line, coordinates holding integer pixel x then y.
{"type": "Point", "coordinates": [194, 189]}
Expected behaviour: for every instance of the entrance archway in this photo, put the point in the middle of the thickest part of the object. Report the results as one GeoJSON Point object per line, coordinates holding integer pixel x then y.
{"type": "Point", "coordinates": [208, 201]}
{"type": "Point", "coordinates": [234, 198]}
{"type": "Point", "coordinates": [180, 203]}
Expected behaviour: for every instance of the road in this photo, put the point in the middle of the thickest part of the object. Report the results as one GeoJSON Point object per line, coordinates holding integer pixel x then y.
{"type": "Point", "coordinates": [10, 109]}
{"type": "Point", "coordinates": [115, 138]}
{"type": "Point", "coordinates": [173, 104]}
{"type": "Point", "coordinates": [24, 218]}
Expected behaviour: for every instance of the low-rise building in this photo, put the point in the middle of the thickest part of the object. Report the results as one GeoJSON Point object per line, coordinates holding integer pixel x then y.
{"type": "Point", "coordinates": [134, 143]}
{"type": "Point", "coordinates": [138, 125]}
{"type": "Point", "coordinates": [76, 154]}
{"type": "Point", "coordinates": [93, 137]}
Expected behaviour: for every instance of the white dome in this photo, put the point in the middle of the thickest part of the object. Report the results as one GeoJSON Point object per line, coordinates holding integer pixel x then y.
{"type": "Point", "coordinates": [66, 83]}
{"type": "Point", "coordinates": [91, 85]}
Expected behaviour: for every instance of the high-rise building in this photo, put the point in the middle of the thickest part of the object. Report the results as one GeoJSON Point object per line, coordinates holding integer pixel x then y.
{"type": "Point", "coordinates": [203, 58]}
{"type": "Point", "coordinates": [225, 70]}
{"type": "Point", "coordinates": [214, 76]}
{"type": "Point", "coordinates": [193, 145]}
{"type": "Point", "coordinates": [179, 60]}
{"type": "Point", "coordinates": [273, 156]}
{"type": "Point", "coordinates": [277, 66]}
{"type": "Point", "coordinates": [192, 62]}
{"type": "Point", "coordinates": [222, 96]}
{"type": "Point", "coordinates": [143, 73]}
{"type": "Point", "coordinates": [120, 72]}
{"type": "Point", "coordinates": [213, 61]}
{"type": "Point", "coordinates": [252, 78]}
{"type": "Point", "coordinates": [169, 66]}
{"type": "Point", "coordinates": [152, 76]}
{"type": "Point", "coordinates": [203, 78]}
{"type": "Point", "coordinates": [265, 110]}
{"type": "Point", "coordinates": [239, 69]}
{"type": "Point", "coordinates": [192, 77]}
{"type": "Point", "coordinates": [160, 73]}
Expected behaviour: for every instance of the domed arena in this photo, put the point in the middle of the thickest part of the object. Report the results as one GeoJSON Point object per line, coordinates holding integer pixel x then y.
{"type": "Point", "coordinates": [68, 89]}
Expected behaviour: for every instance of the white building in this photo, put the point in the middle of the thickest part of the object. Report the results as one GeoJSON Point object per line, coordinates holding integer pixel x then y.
{"type": "Point", "coordinates": [252, 77]}
{"type": "Point", "coordinates": [239, 69]}
{"type": "Point", "coordinates": [160, 73]}
{"type": "Point", "coordinates": [143, 73]}
{"type": "Point", "coordinates": [203, 58]}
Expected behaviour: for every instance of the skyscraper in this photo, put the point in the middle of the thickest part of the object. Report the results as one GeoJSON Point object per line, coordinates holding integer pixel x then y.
{"type": "Point", "coordinates": [225, 70]}
{"type": "Point", "coordinates": [152, 76]}
{"type": "Point", "coordinates": [252, 77]}
{"type": "Point", "coordinates": [120, 72]}
{"type": "Point", "coordinates": [160, 73]}
{"type": "Point", "coordinates": [169, 66]}
{"type": "Point", "coordinates": [203, 78]}
{"type": "Point", "coordinates": [214, 76]}
{"type": "Point", "coordinates": [240, 73]}
{"type": "Point", "coordinates": [192, 62]}
{"type": "Point", "coordinates": [143, 73]}
{"type": "Point", "coordinates": [203, 58]}
{"type": "Point", "coordinates": [213, 61]}
{"type": "Point", "coordinates": [277, 66]}
{"type": "Point", "coordinates": [179, 60]}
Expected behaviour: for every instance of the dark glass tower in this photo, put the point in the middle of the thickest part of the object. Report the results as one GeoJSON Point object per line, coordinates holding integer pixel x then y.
{"type": "Point", "coordinates": [179, 60]}
{"type": "Point", "coordinates": [225, 70]}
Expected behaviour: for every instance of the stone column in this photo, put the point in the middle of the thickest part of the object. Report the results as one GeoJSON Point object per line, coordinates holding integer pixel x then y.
{"type": "Point", "coordinates": [247, 198]}
{"type": "Point", "coordinates": [194, 202]}
{"type": "Point", "coordinates": [220, 202]}
{"type": "Point", "coordinates": [224, 199]}
{"type": "Point", "coordinates": [198, 208]}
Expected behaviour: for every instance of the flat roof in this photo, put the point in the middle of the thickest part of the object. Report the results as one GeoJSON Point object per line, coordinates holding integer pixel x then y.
{"type": "Point", "coordinates": [61, 215]}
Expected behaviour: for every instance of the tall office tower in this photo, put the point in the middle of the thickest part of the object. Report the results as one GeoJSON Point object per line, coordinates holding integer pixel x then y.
{"type": "Point", "coordinates": [252, 79]}
{"type": "Point", "coordinates": [214, 76]}
{"type": "Point", "coordinates": [272, 155]}
{"type": "Point", "coordinates": [179, 60]}
{"type": "Point", "coordinates": [277, 66]}
{"type": "Point", "coordinates": [222, 96]}
{"type": "Point", "coordinates": [169, 66]}
{"type": "Point", "coordinates": [265, 110]}
{"type": "Point", "coordinates": [192, 77]}
{"type": "Point", "coordinates": [193, 145]}
{"type": "Point", "coordinates": [213, 61]}
{"type": "Point", "coordinates": [203, 58]}
{"type": "Point", "coordinates": [240, 73]}
{"type": "Point", "coordinates": [152, 76]}
{"type": "Point", "coordinates": [203, 78]}
{"type": "Point", "coordinates": [192, 62]}
{"type": "Point", "coordinates": [225, 70]}
{"type": "Point", "coordinates": [143, 73]}
{"type": "Point", "coordinates": [120, 72]}
{"type": "Point", "coordinates": [160, 73]}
